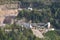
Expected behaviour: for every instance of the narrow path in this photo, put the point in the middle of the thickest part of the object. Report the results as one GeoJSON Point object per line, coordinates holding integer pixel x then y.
{"type": "Point", "coordinates": [37, 33]}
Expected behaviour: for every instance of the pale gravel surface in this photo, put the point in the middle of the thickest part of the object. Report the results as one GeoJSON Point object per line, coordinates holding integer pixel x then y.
{"type": "Point", "coordinates": [37, 33]}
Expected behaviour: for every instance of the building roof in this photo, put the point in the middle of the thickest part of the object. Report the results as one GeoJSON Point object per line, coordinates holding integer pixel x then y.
{"type": "Point", "coordinates": [27, 25]}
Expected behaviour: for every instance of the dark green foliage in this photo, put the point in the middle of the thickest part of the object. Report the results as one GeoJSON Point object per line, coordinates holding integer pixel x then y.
{"type": "Point", "coordinates": [52, 35]}
{"type": "Point", "coordinates": [19, 34]}
{"type": "Point", "coordinates": [49, 13]}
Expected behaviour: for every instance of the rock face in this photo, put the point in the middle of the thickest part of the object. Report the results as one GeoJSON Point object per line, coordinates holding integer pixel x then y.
{"type": "Point", "coordinates": [1, 20]}
{"type": "Point", "coordinates": [8, 11]}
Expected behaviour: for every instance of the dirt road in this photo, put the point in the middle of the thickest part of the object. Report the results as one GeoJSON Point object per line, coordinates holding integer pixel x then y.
{"type": "Point", "coordinates": [37, 33]}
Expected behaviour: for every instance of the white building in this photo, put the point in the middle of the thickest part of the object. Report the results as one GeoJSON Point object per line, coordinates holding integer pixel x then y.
{"type": "Point", "coordinates": [30, 8]}
{"type": "Point", "coordinates": [48, 25]}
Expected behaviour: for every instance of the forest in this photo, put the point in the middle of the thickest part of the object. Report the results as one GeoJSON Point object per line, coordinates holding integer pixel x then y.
{"type": "Point", "coordinates": [46, 15]}
{"type": "Point", "coordinates": [49, 13]}
{"type": "Point", "coordinates": [17, 33]}
{"type": "Point", "coordinates": [21, 33]}
{"type": "Point", "coordinates": [44, 11]}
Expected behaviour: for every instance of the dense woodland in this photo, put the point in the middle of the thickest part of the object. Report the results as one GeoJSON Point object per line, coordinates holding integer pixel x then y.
{"type": "Point", "coordinates": [47, 15]}
{"type": "Point", "coordinates": [43, 12]}
{"type": "Point", "coordinates": [21, 33]}
{"type": "Point", "coordinates": [50, 13]}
